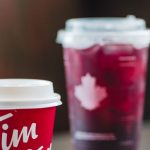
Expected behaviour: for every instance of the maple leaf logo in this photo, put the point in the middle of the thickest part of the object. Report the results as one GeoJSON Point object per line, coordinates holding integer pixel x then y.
{"type": "Point", "coordinates": [90, 95]}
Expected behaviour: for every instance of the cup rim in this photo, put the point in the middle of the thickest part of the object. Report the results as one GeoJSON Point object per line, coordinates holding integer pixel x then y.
{"type": "Point", "coordinates": [26, 104]}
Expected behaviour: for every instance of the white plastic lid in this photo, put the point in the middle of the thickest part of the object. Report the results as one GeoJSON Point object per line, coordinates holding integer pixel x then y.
{"type": "Point", "coordinates": [84, 32]}
{"type": "Point", "coordinates": [27, 93]}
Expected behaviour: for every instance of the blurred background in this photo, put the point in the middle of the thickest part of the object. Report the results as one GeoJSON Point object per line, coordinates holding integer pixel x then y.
{"type": "Point", "coordinates": [28, 31]}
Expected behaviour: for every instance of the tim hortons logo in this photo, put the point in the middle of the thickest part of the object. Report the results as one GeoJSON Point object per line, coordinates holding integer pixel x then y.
{"type": "Point", "coordinates": [17, 137]}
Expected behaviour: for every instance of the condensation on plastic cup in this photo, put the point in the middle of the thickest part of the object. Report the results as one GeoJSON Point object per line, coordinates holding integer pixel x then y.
{"type": "Point", "coordinates": [27, 93]}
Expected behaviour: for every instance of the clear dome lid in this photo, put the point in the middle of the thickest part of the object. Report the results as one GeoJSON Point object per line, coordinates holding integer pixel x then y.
{"type": "Point", "coordinates": [84, 32]}
{"type": "Point", "coordinates": [105, 24]}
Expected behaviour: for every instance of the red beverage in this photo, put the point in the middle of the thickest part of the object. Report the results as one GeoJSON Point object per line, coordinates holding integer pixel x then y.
{"type": "Point", "coordinates": [27, 113]}
{"type": "Point", "coordinates": [117, 83]}
{"type": "Point", "coordinates": [105, 75]}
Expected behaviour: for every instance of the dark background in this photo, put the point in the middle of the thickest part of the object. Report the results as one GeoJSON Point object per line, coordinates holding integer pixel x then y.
{"type": "Point", "coordinates": [28, 31]}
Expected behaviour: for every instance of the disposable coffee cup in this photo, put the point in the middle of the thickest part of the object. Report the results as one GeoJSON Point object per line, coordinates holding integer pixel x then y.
{"type": "Point", "coordinates": [27, 112]}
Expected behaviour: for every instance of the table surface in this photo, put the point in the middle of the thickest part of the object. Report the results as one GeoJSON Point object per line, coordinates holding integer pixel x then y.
{"type": "Point", "coordinates": [63, 140]}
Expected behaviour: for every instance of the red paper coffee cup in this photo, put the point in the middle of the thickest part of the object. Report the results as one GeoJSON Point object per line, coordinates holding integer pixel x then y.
{"type": "Point", "coordinates": [27, 112]}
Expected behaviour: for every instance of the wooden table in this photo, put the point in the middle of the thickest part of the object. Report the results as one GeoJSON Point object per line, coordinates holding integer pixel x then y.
{"type": "Point", "coordinates": [63, 141]}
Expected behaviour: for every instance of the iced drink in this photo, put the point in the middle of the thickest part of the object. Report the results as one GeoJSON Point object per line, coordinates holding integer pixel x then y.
{"type": "Point", "coordinates": [105, 73]}
{"type": "Point", "coordinates": [27, 113]}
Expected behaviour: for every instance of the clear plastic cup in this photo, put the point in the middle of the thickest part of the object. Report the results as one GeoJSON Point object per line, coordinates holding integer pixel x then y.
{"type": "Point", "coordinates": [106, 63]}
{"type": "Point", "coordinates": [27, 113]}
